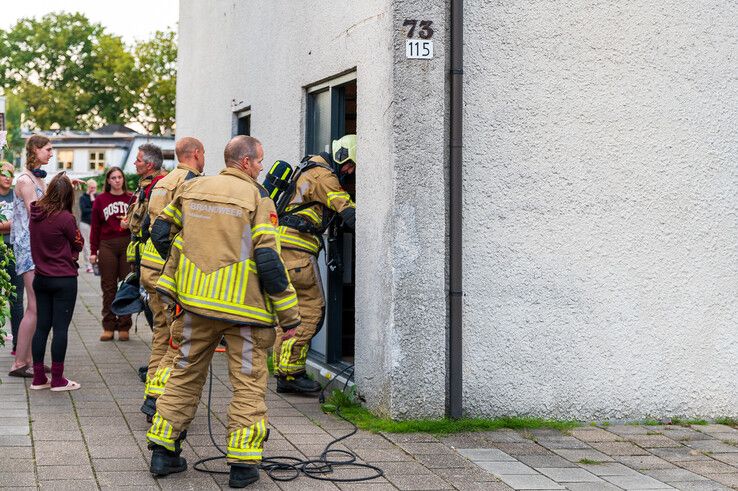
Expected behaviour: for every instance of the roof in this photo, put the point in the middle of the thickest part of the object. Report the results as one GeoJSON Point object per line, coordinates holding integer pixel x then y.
{"type": "Point", "coordinates": [109, 129]}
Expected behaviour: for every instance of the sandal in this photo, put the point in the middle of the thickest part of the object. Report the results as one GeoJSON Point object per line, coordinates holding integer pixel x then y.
{"type": "Point", "coordinates": [47, 385]}
{"type": "Point", "coordinates": [26, 371]}
{"type": "Point", "coordinates": [71, 385]}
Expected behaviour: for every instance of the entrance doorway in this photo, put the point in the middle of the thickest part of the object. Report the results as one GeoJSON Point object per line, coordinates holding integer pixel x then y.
{"type": "Point", "coordinates": [331, 113]}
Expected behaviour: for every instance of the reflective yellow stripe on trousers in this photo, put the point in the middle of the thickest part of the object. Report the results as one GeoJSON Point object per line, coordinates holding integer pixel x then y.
{"type": "Point", "coordinates": [160, 433]}
{"type": "Point", "coordinates": [247, 443]}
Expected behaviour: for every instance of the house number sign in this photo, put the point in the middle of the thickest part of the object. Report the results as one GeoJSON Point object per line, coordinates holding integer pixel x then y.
{"type": "Point", "coordinates": [419, 44]}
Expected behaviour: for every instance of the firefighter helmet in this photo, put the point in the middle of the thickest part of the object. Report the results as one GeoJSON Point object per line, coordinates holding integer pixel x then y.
{"type": "Point", "coordinates": [344, 149]}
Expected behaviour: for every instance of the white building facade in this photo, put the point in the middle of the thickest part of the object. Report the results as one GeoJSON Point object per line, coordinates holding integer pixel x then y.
{"type": "Point", "coordinates": [600, 267]}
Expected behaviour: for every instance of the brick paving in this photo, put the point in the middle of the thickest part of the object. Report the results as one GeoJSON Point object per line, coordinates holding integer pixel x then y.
{"type": "Point", "coordinates": [94, 438]}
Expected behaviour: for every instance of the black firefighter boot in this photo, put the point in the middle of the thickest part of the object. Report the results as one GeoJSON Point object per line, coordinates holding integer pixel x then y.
{"type": "Point", "coordinates": [242, 475]}
{"type": "Point", "coordinates": [298, 383]}
{"type": "Point", "coordinates": [165, 462]}
{"type": "Point", "coordinates": [149, 408]}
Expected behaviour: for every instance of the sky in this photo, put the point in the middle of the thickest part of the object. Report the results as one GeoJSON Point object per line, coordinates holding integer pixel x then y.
{"type": "Point", "coordinates": [131, 19]}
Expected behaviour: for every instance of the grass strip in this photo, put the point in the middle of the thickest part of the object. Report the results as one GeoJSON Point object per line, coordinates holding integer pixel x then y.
{"type": "Point", "coordinates": [365, 420]}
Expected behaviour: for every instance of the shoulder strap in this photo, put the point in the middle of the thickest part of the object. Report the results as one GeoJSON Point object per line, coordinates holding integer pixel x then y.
{"type": "Point", "coordinates": [284, 200]}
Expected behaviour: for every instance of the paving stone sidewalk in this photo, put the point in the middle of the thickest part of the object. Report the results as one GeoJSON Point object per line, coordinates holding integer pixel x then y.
{"type": "Point", "coordinates": [94, 438]}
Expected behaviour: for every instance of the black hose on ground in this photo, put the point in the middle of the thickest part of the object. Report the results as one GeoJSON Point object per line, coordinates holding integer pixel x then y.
{"type": "Point", "coordinates": [286, 468]}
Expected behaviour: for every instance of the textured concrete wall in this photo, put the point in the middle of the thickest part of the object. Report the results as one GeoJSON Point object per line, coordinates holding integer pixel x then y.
{"type": "Point", "coordinates": [419, 245]}
{"type": "Point", "coordinates": [262, 54]}
{"type": "Point", "coordinates": [600, 209]}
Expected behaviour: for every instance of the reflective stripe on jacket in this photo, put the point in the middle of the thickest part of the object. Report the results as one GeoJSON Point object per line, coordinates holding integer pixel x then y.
{"type": "Point", "coordinates": [160, 196]}
{"type": "Point", "coordinates": [210, 270]}
{"type": "Point", "coordinates": [321, 186]}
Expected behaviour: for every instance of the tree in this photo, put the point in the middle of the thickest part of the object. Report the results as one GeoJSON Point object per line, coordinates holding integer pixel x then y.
{"type": "Point", "coordinates": [14, 109]}
{"type": "Point", "coordinates": [156, 62]}
{"type": "Point", "coordinates": [68, 71]}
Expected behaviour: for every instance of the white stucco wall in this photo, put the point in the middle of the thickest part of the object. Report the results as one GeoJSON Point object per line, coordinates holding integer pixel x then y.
{"type": "Point", "coordinates": [263, 54]}
{"type": "Point", "coordinates": [600, 260]}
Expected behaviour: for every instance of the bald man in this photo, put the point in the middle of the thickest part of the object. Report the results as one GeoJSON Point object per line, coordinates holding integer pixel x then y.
{"type": "Point", "coordinates": [191, 160]}
{"type": "Point", "coordinates": [226, 274]}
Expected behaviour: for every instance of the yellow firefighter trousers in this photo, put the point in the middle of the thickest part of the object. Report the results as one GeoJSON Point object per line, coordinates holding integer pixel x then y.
{"type": "Point", "coordinates": [247, 353]}
{"type": "Point", "coordinates": [159, 344]}
{"type": "Point", "coordinates": [290, 354]}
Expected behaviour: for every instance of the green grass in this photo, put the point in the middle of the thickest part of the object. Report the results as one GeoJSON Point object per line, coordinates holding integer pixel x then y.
{"type": "Point", "coordinates": [727, 421]}
{"type": "Point", "coordinates": [688, 422]}
{"type": "Point", "coordinates": [650, 422]}
{"type": "Point", "coordinates": [589, 461]}
{"type": "Point", "coordinates": [365, 420]}
{"type": "Point", "coordinates": [270, 367]}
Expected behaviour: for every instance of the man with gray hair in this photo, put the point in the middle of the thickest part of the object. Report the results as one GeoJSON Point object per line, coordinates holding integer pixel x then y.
{"type": "Point", "coordinates": [148, 167]}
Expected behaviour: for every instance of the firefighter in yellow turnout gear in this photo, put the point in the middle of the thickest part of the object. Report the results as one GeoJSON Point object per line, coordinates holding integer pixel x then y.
{"type": "Point", "coordinates": [191, 160]}
{"type": "Point", "coordinates": [225, 272]}
{"type": "Point", "coordinates": [148, 166]}
{"type": "Point", "coordinates": [318, 195]}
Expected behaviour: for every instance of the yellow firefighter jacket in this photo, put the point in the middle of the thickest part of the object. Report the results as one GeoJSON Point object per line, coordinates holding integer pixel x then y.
{"type": "Point", "coordinates": [320, 186]}
{"type": "Point", "coordinates": [137, 217]}
{"type": "Point", "coordinates": [225, 261]}
{"type": "Point", "coordinates": [160, 196]}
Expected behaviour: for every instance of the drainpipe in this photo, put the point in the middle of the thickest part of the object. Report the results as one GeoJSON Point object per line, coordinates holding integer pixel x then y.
{"type": "Point", "coordinates": [454, 409]}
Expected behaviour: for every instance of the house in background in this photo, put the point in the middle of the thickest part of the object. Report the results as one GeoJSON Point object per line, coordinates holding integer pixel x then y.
{"type": "Point", "coordinates": [83, 154]}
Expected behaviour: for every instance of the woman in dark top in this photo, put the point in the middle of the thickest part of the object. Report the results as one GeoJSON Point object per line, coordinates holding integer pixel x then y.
{"type": "Point", "coordinates": [55, 245]}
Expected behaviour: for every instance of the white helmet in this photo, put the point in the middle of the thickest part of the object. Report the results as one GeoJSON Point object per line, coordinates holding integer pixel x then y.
{"type": "Point", "coordinates": [344, 149]}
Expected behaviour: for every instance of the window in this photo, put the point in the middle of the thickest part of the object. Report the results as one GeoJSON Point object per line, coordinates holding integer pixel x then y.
{"type": "Point", "coordinates": [242, 122]}
{"type": "Point", "coordinates": [97, 161]}
{"type": "Point", "coordinates": [65, 159]}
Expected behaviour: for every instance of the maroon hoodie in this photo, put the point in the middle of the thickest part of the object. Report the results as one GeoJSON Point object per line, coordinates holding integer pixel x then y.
{"type": "Point", "coordinates": [55, 242]}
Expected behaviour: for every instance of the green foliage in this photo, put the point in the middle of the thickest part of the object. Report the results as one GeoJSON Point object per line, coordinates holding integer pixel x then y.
{"type": "Point", "coordinates": [156, 61]}
{"type": "Point", "coordinates": [63, 69]}
{"type": "Point", "coordinates": [7, 290]}
{"type": "Point", "coordinates": [365, 420]}
{"type": "Point", "coordinates": [14, 109]}
{"type": "Point", "coordinates": [131, 181]}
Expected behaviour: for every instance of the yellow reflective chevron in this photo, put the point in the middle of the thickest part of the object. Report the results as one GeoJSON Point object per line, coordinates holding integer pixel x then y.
{"type": "Point", "coordinates": [160, 433]}
{"type": "Point", "coordinates": [223, 290]}
{"type": "Point", "coordinates": [174, 213]}
{"type": "Point", "coordinates": [285, 365]}
{"type": "Point", "coordinates": [337, 195]}
{"type": "Point", "coordinates": [308, 243]}
{"type": "Point", "coordinates": [310, 214]}
{"type": "Point", "coordinates": [263, 229]}
{"type": "Point", "coordinates": [150, 254]}
{"type": "Point", "coordinates": [247, 443]}
{"type": "Point", "coordinates": [158, 382]}
{"type": "Point", "coordinates": [131, 251]}
{"type": "Point", "coordinates": [285, 303]}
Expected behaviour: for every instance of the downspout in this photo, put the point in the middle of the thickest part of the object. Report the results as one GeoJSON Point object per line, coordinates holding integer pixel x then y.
{"type": "Point", "coordinates": [454, 409]}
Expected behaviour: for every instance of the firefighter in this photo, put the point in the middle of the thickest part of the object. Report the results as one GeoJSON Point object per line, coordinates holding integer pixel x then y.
{"type": "Point", "coordinates": [227, 279]}
{"type": "Point", "coordinates": [318, 196]}
{"type": "Point", "coordinates": [148, 167]}
{"type": "Point", "coordinates": [191, 160]}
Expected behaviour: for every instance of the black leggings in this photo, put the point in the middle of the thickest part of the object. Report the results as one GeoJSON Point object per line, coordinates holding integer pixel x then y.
{"type": "Point", "coordinates": [55, 299]}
